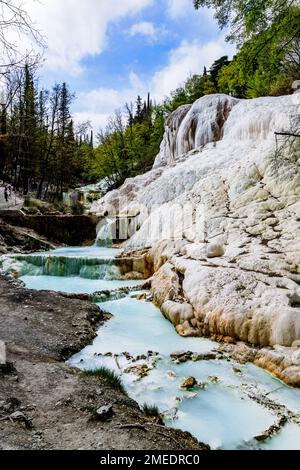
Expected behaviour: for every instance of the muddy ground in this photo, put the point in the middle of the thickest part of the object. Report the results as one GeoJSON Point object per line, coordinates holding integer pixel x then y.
{"type": "Point", "coordinates": [44, 403]}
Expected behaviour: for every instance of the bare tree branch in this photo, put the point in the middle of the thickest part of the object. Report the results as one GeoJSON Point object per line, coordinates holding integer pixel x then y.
{"type": "Point", "coordinates": [15, 25]}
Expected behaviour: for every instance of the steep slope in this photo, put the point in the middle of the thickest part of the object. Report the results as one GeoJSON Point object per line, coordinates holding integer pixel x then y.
{"type": "Point", "coordinates": [221, 211]}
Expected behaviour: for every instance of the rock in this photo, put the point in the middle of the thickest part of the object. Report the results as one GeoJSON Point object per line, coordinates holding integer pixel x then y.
{"type": "Point", "coordinates": [273, 429]}
{"type": "Point", "coordinates": [165, 285]}
{"type": "Point", "coordinates": [176, 312]}
{"type": "Point", "coordinates": [105, 412]}
{"type": "Point", "coordinates": [10, 405]}
{"type": "Point", "coordinates": [214, 379]}
{"type": "Point", "coordinates": [181, 357]}
{"type": "Point", "coordinates": [296, 86]}
{"type": "Point", "coordinates": [215, 250]}
{"type": "Point", "coordinates": [141, 297]}
{"type": "Point", "coordinates": [171, 374]}
{"type": "Point", "coordinates": [190, 382]}
{"type": "Point", "coordinates": [204, 357]}
{"type": "Point", "coordinates": [142, 357]}
{"type": "Point", "coordinates": [7, 368]}
{"type": "Point", "coordinates": [21, 418]}
{"type": "Point", "coordinates": [127, 355]}
{"type": "Point", "coordinates": [141, 370]}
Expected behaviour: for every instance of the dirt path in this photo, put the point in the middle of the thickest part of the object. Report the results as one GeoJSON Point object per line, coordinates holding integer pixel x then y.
{"type": "Point", "coordinates": [45, 404]}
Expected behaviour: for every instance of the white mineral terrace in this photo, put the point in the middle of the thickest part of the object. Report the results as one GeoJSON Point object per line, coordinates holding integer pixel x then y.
{"type": "Point", "coordinates": [223, 196]}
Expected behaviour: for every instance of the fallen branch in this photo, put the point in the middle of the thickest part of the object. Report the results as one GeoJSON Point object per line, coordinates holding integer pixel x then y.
{"type": "Point", "coordinates": [289, 134]}
{"type": "Point", "coordinates": [166, 436]}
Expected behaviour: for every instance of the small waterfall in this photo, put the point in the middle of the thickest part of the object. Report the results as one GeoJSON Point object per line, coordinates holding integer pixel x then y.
{"type": "Point", "coordinates": [53, 265]}
{"type": "Point", "coordinates": [105, 235]}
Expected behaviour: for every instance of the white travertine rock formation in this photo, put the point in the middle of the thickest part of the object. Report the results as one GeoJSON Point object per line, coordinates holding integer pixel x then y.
{"type": "Point", "coordinates": [221, 211]}
{"type": "Point", "coordinates": [192, 127]}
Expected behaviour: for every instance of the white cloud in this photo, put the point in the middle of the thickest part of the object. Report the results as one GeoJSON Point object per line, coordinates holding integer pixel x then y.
{"type": "Point", "coordinates": [144, 28]}
{"type": "Point", "coordinates": [97, 120]}
{"type": "Point", "coordinates": [179, 8]}
{"type": "Point", "coordinates": [188, 58]}
{"type": "Point", "coordinates": [75, 30]}
{"type": "Point", "coordinates": [99, 104]}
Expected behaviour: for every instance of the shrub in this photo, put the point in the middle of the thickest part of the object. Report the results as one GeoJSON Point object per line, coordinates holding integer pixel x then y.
{"type": "Point", "coordinates": [108, 375]}
{"type": "Point", "coordinates": [150, 410]}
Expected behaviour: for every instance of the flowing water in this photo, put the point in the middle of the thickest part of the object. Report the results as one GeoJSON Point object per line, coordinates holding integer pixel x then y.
{"type": "Point", "coordinates": [138, 342]}
{"type": "Point", "coordinates": [84, 270]}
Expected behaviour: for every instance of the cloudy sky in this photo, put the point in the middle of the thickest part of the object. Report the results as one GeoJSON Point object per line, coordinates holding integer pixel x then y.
{"type": "Point", "coordinates": [109, 51]}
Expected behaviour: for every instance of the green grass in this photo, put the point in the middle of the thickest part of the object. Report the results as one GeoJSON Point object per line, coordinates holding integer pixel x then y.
{"type": "Point", "coordinates": [108, 375]}
{"type": "Point", "coordinates": [150, 410]}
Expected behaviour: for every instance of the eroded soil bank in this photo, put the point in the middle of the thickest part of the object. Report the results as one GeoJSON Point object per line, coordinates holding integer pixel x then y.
{"type": "Point", "coordinates": [68, 229]}
{"type": "Point", "coordinates": [16, 239]}
{"type": "Point", "coordinates": [45, 404]}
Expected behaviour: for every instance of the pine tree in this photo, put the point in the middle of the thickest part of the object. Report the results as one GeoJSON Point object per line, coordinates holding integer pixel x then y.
{"type": "Point", "coordinates": [65, 125]}
{"type": "Point", "coordinates": [139, 110]}
{"type": "Point", "coordinates": [217, 66]}
{"type": "Point", "coordinates": [28, 131]}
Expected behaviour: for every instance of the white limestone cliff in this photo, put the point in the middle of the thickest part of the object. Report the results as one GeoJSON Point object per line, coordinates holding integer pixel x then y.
{"type": "Point", "coordinates": [221, 213]}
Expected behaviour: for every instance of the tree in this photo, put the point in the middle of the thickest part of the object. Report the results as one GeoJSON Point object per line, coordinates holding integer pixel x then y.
{"type": "Point", "coordinates": [267, 33]}
{"type": "Point", "coordinates": [15, 22]}
{"type": "Point", "coordinates": [216, 67]}
{"type": "Point", "coordinates": [230, 80]}
{"type": "Point", "coordinates": [128, 145]}
{"type": "Point", "coordinates": [43, 154]}
{"type": "Point", "coordinates": [65, 138]}
{"type": "Point", "coordinates": [139, 110]}
{"type": "Point", "coordinates": [22, 130]}
{"type": "Point", "coordinates": [178, 98]}
{"type": "Point", "coordinates": [251, 17]}
{"type": "Point", "coordinates": [197, 86]}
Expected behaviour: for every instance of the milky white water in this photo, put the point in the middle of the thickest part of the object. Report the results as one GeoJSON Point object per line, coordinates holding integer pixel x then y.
{"type": "Point", "coordinates": [88, 251]}
{"type": "Point", "coordinates": [74, 284]}
{"type": "Point", "coordinates": [219, 411]}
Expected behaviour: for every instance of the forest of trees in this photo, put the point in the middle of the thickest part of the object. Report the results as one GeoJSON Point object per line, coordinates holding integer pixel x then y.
{"type": "Point", "coordinates": [40, 152]}
{"type": "Point", "coordinates": [43, 153]}
{"type": "Point", "coordinates": [128, 145]}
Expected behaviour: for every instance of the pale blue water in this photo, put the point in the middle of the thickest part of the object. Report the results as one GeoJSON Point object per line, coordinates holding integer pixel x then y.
{"type": "Point", "coordinates": [90, 263]}
{"type": "Point", "coordinates": [219, 412]}
{"type": "Point", "coordinates": [74, 284]}
{"type": "Point", "coordinates": [93, 251]}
